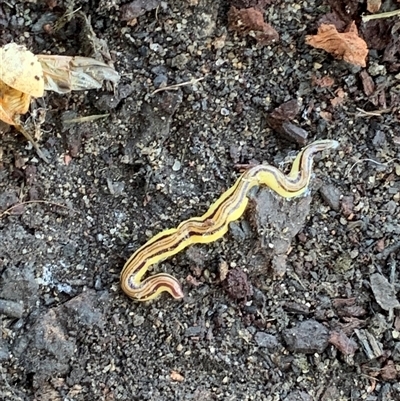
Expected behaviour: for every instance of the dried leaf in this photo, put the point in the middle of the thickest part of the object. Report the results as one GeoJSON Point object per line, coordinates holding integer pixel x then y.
{"type": "Point", "coordinates": [250, 21]}
{"type": "Point", "coordinates": [63, 74]}
{"type": "Point", "coordinates": [12, 103]}
{"type": "Point", "coordinates": [347, 45]}
{"type": "Point", "coordinates": [21, 70]}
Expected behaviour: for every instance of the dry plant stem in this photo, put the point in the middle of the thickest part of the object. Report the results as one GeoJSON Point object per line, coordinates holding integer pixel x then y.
{"type": "Point", "coordinates": [28, 136]}
{"type": "Point", "coordinates": [86, 119]}
{"type": "Point", "coordinates": [369, 160]}
{"type": "Point", "coordinates": [177, 86]}
{"type": "Point", "coordinates": [389, 14]}
{"type": "Point", "coordinates": [375, 113]}
{"type": "Point", "coordinates": [7, 211]}
{"type": "Point", "coordinates": [65, 18]}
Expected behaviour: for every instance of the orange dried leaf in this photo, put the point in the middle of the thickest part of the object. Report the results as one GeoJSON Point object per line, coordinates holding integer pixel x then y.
{"type": "Point", "coordinates": [347, 45]}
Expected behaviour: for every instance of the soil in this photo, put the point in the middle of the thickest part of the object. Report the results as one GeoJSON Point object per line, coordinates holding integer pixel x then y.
{"type": "Point", "coordinates": [297, 302]}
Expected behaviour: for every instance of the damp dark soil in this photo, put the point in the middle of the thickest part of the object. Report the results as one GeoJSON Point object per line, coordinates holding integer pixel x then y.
{"type": "Point", "coordinates": [297, 302]}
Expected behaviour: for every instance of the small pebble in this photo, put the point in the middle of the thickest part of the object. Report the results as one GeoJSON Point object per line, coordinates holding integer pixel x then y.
{"type": "Point", "coordinates": [331, 195]}
{"type": "Point", "coordinates": [11, 308]}
{"type": "Point", "coordinates": [266, 340]}
{"type": "Point", "coordinates": [176, 166]}
{"type": "Point", "coordinates": [307, 337]}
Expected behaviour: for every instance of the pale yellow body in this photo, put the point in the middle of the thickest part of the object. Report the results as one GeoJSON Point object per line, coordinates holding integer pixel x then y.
{"type": "Point", "coordinates": [213, 224]}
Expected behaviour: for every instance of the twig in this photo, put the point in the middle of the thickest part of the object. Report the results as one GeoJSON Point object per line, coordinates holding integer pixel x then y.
{"type": "Point", "coordinates": [366, 18]}
{"type": "Point", "coordinates": [374, 113]}
{"type": "Point", "coordinates": [177, 86]}
{"type": "Point", "coordinates": [372, 161]}
{"type": "Point", "coordinates": [86, 118]}
{"type": "Point", "coordinates": [28, 136]}
{"type": "Point", "coordinates": [7, 211]}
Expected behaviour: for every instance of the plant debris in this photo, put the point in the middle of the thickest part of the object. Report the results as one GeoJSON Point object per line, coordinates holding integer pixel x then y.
{"type": "Point", "coordinates": [384, 292]}
{"type": "Point", "coordinates": [67, 228]}
{"type": "Point", "coordinates": [280, 121]}
{"type": "Point", "coordinates": [258, 4]}
{"type": "Point", "coordinates": [136, 8]}
{"type": "Point", "coordinates": [25, 76]}
{"type": "Point", "coordinates": [347, 46]}
{"type": "Point", "coordinates": [237, 284]}
{"type": "Point", "coordinates": [344, 344]}
{"type": "Point", "coordinates": [250, 21]}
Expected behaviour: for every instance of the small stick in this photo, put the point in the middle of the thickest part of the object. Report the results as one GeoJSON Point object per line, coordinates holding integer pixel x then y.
{"type": "Point", "coordinates": [28, 136]}
{"type": "Point", "coordinates": [86, 118]}
{"type": "Point", "coordinates": [177, 86]}
{"type": "Point", "coordinates": [372, 161]}
{"type": "Point", "coordinates": [375, 113]}
{"type": "Point", "coordinates": [7, 211]}
{"type": "Point", "coordinates": [366, 18]}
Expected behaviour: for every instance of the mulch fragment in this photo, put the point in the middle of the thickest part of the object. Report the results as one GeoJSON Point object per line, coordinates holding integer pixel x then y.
{"type": "Point", "coordinates": [137, 8]}
{"type": "Point", "coordinates": [237, 284]}
{"type": "Point", "coordinates": [389, 371]}
{"type": "Point", "coordinates": [250, 21]}
{"type": "Point", "coordinates": [346, 10]}
{"type": "Point", "coordinates": [259, 4]}
{"type": "Point", "coordinates": [384, 292]}
{"type": "Point", "coordinates": [307, 337]}
{"type": "Point", "coordinates": [368, 83]}
{"type": "Point", "coordinates": [280, 121]}
{"type": "Point", "coordinates": [344, 344]}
